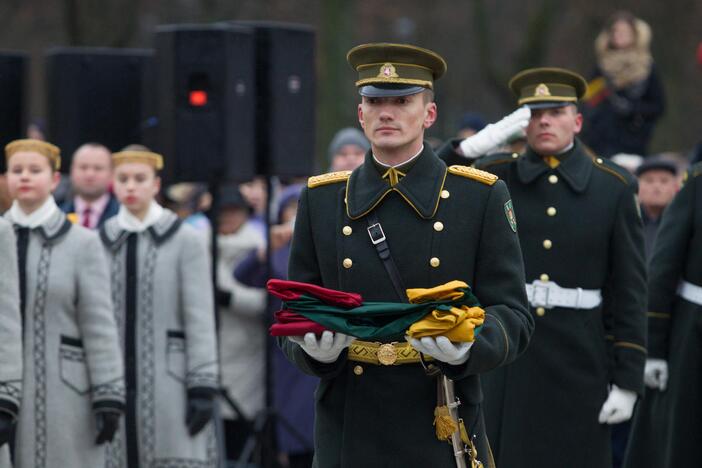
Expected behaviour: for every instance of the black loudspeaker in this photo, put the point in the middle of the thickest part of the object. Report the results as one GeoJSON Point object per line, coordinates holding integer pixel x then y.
{"type": "Point", "coordinates": [206, 102]}
{"type": "Point", "coordinates": [285, 84]}
{"type": "Point", "coordinates": [13, 85]}
{"type": "Point", "coordinates": [97, 95]}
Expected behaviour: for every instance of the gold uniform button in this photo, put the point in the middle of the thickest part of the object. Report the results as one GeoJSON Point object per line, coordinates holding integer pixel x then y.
{"type": "Point", "coordinates": [599, 160]}
{"type": "Point", "coordinates": [358, 370]}
{"type": "Point", "coordinates": [540, 311]}
{"type": "Point", "coordinates": [544, 277]}
{"type": "Point", "coordinates": [445, 194]}
{"type": "Point", "coordinates": [551, 211]}
{"type": "Point", "coordinates": [548, 244]}
{"type": "Point", "coordinates": [553, 178]}
{"type": "Point", "coordinates": [438, 226]}
{"type": "Point", "coordinates": [515, 155]}
{"type": "Point", "coordinates": [347, 230]}
{"type": "Point", "coordinates": [348, 263]}
{"type": "Point", "coordinates": [435, 262]}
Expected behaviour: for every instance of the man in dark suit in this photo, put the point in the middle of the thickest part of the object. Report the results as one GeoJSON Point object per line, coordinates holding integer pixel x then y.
{"type": "Point", "coordinates": [91, 175]}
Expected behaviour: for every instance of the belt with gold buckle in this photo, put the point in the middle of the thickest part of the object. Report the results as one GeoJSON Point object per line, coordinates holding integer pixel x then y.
{"type": "Point", "coordinates": [384, 354]}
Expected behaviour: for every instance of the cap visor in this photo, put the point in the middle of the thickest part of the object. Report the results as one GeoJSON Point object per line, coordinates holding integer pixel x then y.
{"type": "Point", "coordinates": [389, 91]}
{"type": "Point", "coordinates": [548, 104]}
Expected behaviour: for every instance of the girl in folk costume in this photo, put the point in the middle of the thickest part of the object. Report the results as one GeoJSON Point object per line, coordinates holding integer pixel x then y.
{"type": "Point", "coordinates": [162, 294]}
{"type": "Point", "coordinates": [10, 340]}
{"type": "Point", "coordinates": [73, 387]}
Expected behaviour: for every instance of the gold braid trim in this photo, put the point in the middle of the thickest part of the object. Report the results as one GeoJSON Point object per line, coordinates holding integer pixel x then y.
{"type": "Point", "coordinates": [473, 173]}
{"type": "Point", "coordinates": [601, 165]}
{"type": "Point", "coordinates": [328, 178]}
{"type": "Point", "coordinates": [627, 344]}
{"type": "Point", "coordinates": [658, 315]}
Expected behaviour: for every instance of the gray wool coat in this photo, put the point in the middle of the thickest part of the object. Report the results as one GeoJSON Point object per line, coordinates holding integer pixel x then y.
{"type": "Point", "coordinates": [11, 329]}
{"type": "Point", "coordinates": [72, 360]}
{"type": "Point", "coordinates": [166, 320]}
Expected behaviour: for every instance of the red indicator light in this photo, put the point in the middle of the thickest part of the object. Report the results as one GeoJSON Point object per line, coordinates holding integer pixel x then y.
{"type": "Point", "coordinates": [197, 98]}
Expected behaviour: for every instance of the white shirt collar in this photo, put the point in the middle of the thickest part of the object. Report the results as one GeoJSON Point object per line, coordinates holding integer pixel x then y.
{"type": "Point", "coordinates": [131, 223]}
{"type": "Point", "coordinates": [38, 217]}
{"type": "Point", "coordinates": [402, 163]}
{"type": "Point", "coordinates": [567, 148]}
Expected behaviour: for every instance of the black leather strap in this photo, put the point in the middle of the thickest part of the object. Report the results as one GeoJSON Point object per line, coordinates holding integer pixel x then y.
{"type": "Point", "coordinates": [377, 236]}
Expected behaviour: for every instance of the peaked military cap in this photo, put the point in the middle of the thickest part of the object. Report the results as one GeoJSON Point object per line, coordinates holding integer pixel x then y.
{"type": "Point", "coordinates": [386, 69]}
{"type": "Point", "coordinates": [540, 88]}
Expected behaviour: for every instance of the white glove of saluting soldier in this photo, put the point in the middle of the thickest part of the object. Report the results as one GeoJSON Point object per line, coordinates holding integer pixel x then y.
{"type": "Point", "coordinates": [495, 135]}
{"type": "Point", "coordinates": [618, 407]}
{"type": "Point", "coordinates": [656, 374]}
{"type": "Point", "coordinates": [442, 349]}
{"type": "Point", "coordinates": [325, 349]}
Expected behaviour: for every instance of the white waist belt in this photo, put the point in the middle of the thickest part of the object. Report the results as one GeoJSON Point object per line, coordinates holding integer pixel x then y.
{"type": "Point", "coordinates": [548, 294]}
{"type": "Point", "coordinates": [690, 292]}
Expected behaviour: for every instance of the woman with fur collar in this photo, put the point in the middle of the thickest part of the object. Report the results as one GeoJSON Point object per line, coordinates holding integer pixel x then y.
{"type": "Point", "coordinates": [625, 98]}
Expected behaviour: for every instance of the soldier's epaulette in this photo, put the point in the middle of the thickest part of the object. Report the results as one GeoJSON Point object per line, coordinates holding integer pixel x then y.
{"type": "Point", "coordinates": [473, 173]}
{"type": "Point", "coordinates": [693, 172]}
{"type": "Point", "coordinates": [328, 178]}
{"type": "Point", "coordinates": [614, 169]}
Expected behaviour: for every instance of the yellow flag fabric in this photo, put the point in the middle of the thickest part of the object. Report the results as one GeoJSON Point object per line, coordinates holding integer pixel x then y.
{"type": "Point", "coordinates": [456, 323]}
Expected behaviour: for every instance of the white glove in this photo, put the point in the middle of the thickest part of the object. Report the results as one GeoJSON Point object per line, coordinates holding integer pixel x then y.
{"type": "Point", "coordinates": [442, 349]}
{"type": "Point", "coordinates": [618, 407]}
{"type": "Point", "coordinates": [496, 134]}
{"type": "Point", "coordinates": [325, 349]}
{"type": "Point", "coordinates": [656, 374]}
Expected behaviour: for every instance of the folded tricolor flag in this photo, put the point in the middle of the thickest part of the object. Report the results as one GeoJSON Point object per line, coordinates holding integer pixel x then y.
{"type": "Point", "coordinates": [450, 309]}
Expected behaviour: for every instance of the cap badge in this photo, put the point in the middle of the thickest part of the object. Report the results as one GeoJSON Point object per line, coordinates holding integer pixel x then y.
{"type": "Point", "coordinates": [542, 90]}
{"type": "Point", "coordinates": [387, 71]}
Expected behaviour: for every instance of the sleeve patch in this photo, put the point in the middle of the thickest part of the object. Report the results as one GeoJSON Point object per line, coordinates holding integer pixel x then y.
{"type": "Point", "coordinates": [509, 212]}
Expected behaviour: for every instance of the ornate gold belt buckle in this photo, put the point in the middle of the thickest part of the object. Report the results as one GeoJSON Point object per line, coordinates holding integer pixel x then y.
{"type": "Point", "coordinates": [387, 354]}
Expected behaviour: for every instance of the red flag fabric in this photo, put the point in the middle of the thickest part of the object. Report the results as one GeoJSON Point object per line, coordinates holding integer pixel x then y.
{"type": "Point", "coordinates": [289, 323]}
{"type": "Point", "coordinates": [291, 290]}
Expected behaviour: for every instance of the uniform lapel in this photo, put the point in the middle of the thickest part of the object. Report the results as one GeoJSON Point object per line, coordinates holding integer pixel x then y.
{"type": "Point", "coordinates": [575, 168]}
{"type": "Point", "coordinates": [420, 188]}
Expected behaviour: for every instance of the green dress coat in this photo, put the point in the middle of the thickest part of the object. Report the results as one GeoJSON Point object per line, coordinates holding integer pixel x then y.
{"type": "Point", "coordinates": [382, 416]}
{"type": "Point", "coordinates": [579, 226]}
{"type": "Point", "coordinates": [666, 429]}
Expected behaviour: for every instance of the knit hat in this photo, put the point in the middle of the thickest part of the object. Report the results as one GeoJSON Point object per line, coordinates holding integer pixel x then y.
{"type": "Point", "coordinates": [347, 136]}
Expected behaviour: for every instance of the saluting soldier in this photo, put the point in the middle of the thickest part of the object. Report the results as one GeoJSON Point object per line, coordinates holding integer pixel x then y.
{"type": "Point", "coordinates": [582, 240]}
{"type": "Point", "coordinates": [666, 430]}
{"type": "Point", "coordinates": [439, 224]}
{"type": "Point", "coordinates": [163, 302]}
{"type": "Point", "coordinates": [72, 389]}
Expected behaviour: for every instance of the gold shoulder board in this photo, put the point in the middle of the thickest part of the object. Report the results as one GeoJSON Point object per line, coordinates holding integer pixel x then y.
{"type": "Point", "coordinates": [473, 173]}
{"type": "Point", "coordinates": [328, 178]}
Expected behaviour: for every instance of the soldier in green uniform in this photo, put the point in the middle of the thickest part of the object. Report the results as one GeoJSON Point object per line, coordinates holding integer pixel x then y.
{"type": "Point", "coordinates": [582, 240]}
{"type": "Point", "coordinates": [666, 429]}
{"type": "Point", "coordinates": [377, 409]}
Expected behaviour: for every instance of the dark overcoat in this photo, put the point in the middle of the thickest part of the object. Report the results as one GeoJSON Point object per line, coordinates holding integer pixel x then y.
{"type": "Point", "coordinates": [578, 227]}
{"type": "Point", "coordinates": [667, 425]}
{"type": "Point", "coordinates": [440, 226]}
